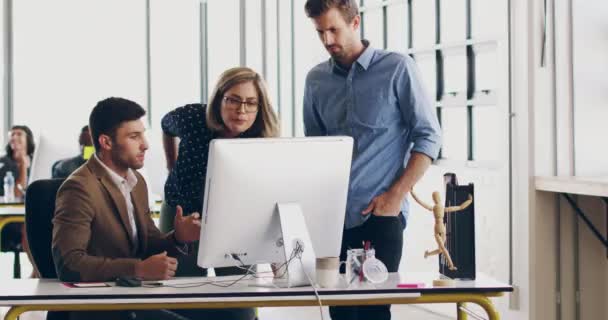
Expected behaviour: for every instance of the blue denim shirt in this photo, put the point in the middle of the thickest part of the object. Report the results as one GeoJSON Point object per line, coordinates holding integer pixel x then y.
{"type": "Point", "coordinates": [382, 104]}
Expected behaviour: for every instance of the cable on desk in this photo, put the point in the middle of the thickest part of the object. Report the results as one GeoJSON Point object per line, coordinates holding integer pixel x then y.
{"type": "Point", "coordinates": [313, 287]}
{"type": "Point", "coordinates": [296, 253]}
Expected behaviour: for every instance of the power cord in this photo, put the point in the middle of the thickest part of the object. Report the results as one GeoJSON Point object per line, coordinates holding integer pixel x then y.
{"type": "Point", "coordinates": [296, 253]}
{"type": "Point", "coordinates": [217, 283]}
{"type": "Point", "coordinates": [313, 287]}
{"type": "Point", "coordinates": [241, 265]}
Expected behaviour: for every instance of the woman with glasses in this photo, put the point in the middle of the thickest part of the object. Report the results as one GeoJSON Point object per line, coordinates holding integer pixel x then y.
{"type": "Point", "coordinates": [239, 108]}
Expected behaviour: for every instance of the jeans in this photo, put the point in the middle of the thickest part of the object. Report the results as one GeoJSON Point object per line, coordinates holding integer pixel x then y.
{"type": "Point", "coordinates": [386, 237]}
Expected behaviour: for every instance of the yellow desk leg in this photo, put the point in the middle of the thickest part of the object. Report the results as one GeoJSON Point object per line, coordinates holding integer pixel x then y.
{"type": "Point", "coordinates": [461, 314]}
{"type": "Point", "coordinates": [488, 306]}
{"type": "Point", "coordinates": [14, 312]}
{"type": "Point", "coordinates": [10, 219]}
{"type": "Point", "coordinates": [460, 298]}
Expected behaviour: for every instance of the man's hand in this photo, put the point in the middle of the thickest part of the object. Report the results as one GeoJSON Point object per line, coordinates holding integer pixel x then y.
{"type": "Point", "coordinates": [187, 229]}
{"type": "Point", "coordinates": [386, 204]}
{"type": "Point", "coordinates": [156, 267]}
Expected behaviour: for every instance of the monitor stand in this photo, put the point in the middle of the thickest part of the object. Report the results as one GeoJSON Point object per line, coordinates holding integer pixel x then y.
{"type": "Point", "coordinates": [295, 235]}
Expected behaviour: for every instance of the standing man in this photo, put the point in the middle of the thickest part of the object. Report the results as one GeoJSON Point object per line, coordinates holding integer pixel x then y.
{"type": "Point", "coordinates": [102, 227]}
{"type": "Point", "coordinates": [377, 98]}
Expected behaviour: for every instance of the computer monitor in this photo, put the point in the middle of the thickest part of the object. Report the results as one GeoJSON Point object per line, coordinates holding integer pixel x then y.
{"type": "Point", "coordinates": [248, 179]}
{"type": "Point", "coordinates": [46, 154]}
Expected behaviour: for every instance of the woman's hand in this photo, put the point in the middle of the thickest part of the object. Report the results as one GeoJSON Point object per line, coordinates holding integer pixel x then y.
{"type": "Point", "coordinates": [22, 159]}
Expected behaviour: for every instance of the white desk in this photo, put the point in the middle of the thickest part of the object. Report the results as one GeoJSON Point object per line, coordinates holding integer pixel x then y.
{"type": "Point", "coordinates": [12, 210]}
{"type": "Point", "coordinates": [19, 210]}
{"type": "Point", "coordinates": [587, 186]}
{"type": "Point", "coordinates": [29, 295]}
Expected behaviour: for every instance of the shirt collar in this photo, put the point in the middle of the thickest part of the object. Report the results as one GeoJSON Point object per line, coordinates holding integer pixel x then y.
{"type": "Point", "coordinates": [130, 181]}
{"type": "Point", "coordinates": [364, 60]}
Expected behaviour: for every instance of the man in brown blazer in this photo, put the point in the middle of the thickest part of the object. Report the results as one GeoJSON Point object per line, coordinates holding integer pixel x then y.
{"type": "Point", "coordinates": [102, 227]}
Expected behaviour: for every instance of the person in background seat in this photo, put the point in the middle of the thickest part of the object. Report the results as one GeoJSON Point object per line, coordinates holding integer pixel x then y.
{"type": "Point", "coordinates": [63, 168]}
{"type": "Point", "coordinates": [18, 159]}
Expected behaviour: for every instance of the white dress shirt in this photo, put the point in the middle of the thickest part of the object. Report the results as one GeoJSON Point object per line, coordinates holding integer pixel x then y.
{"type": "Point", "coordinates": [125, 186]}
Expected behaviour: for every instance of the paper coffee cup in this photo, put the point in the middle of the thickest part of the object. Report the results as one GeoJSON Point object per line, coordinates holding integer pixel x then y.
{"type": "Point", "coordinates": [327, 271]}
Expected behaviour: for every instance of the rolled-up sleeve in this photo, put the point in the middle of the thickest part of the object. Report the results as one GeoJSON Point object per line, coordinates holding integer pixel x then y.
{"type": "Point", "coordinates": [417, 110]}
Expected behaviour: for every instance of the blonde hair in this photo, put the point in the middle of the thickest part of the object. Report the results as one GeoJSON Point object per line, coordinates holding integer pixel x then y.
{"type": "Point", "coordinates": [266, 123]}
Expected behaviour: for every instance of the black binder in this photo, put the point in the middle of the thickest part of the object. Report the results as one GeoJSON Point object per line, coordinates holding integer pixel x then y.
{"type": "Point", "coordinates": [460, 227]}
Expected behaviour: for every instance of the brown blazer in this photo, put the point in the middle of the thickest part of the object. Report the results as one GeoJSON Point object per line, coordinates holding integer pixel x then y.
{"type": "Point", "coordinates": [91, 229]}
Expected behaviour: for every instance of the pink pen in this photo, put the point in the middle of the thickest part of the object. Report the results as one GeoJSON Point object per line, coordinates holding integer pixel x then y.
{"type": "Point", "coordinates": [410, 285]}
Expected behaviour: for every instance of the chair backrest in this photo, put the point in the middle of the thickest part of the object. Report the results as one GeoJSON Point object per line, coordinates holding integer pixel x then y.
{"type": "Point", "coordinates": [39, 211]}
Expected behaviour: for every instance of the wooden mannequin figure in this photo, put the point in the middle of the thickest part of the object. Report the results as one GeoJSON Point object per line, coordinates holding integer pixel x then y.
{"type": "Point", "coordinates": [440, 231]}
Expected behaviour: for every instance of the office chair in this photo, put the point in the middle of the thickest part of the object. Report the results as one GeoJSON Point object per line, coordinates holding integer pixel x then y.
{"type": "Point", "coordinates": [10, 241]}
{"type": "Point", "coordinates": [39, 211]}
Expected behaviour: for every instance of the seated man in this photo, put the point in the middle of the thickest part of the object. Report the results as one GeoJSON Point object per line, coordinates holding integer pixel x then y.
{"type": "Point", "coordinates": [63, 168]}
{"type": "Point", "coordinates": [102, 227]}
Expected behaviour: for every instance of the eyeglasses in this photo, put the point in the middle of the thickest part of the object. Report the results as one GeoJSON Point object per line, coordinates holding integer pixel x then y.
{"type": "Point", "coordinates": [235, 104]}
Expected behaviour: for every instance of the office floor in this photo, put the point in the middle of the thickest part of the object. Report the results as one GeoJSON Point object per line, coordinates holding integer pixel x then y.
{"type": "Point", "coordinates": [295, 313]}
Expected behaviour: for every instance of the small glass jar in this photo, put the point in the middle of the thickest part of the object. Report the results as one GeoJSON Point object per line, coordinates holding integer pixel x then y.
{"type": "Point", "coordinates": [354, 264]}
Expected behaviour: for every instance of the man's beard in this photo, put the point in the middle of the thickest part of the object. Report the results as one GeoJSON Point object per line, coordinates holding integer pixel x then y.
{"type": "Point", "coordinates": [119, 161]}
{"type": "Point", "coordinates": [339, 55]}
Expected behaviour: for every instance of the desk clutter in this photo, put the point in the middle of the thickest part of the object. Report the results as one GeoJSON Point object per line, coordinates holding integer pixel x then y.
{"type": "Point", "coordinates": [362, 265]}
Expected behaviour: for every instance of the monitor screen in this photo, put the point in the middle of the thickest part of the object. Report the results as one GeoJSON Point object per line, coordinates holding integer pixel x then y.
{"type": "Point", "coordinates": [46, 154]}
{"type": "Point", "coordinates": [246, 180]}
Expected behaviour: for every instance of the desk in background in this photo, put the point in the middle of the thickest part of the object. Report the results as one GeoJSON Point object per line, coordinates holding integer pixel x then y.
{"type": "Point", "coordinates": [51, 295]}
{"type": "Point", "coordinates": [587, 186]}
{"type": "Point", "coordinates": [567, 187]}
{"type": "Point", "coordinates": [15, 213]}
{"type": "Point", "coordinates": [12, 213]}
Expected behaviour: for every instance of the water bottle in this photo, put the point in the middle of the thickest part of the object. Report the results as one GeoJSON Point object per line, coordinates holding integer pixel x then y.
{"type": "Point", "coordinates": [9, 187]}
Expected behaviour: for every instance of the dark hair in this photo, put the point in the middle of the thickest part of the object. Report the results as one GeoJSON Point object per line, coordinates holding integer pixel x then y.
{"type": "Point", "coordinates": [109, 114]}
{"type": "Point", "coordinates": [348, 8]}
{"type": "Point", "coordinates": [29, 139]}
{"type": "Point", "coordinates": [84, 134]}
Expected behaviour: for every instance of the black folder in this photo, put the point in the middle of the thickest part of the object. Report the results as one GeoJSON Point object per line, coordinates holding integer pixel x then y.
{"type": "Point", "coordinates": [460, 227]}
